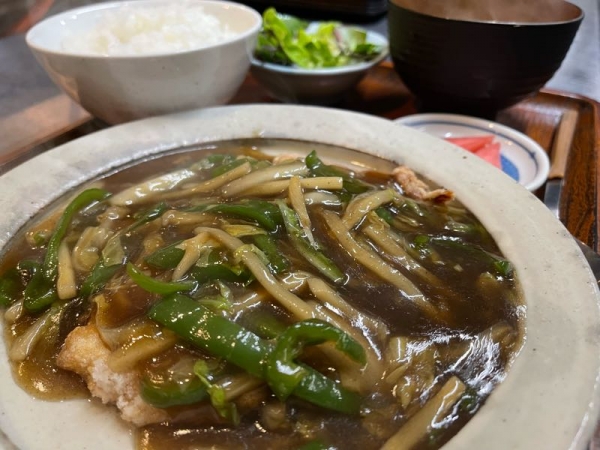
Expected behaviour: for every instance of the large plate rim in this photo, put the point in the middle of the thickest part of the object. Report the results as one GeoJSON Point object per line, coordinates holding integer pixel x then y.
{"type": "Point", "coordinates": [524, 412]}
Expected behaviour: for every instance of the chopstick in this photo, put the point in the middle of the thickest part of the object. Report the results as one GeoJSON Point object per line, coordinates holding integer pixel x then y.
{"type": "Point", "coordinates": [562, 144]}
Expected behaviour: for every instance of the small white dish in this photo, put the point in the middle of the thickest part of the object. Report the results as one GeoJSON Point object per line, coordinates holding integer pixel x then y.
{"type": "Point", "coordinates": [324, 86]}
{"type": "Point", "coordinates": [521, 157]}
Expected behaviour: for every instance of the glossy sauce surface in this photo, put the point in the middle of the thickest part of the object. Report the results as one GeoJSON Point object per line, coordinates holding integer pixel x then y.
{"type": "Point", "coordinates": [472, 330]}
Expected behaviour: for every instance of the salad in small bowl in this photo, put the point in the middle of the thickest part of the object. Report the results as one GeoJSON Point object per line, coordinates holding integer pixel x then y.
{"type": "Point", "coordinates": [313, 62]}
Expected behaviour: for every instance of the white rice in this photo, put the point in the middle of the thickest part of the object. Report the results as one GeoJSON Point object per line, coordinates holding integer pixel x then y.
{"type": "Point", "coordinates": [130, 30]}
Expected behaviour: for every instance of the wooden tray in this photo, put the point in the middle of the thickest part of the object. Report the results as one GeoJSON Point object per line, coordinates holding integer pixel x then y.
{"type": "Point", "coordinates": [382, 93]}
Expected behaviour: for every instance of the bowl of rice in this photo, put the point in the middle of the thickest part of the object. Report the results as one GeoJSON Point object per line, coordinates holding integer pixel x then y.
{"type": "Point", "coordinates": [123, 61]}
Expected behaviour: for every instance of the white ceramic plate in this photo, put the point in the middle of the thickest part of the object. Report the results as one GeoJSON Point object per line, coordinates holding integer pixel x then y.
{"type": "Point", "coordinates": [550, 397]}
{"type": "Point", "coordinates": [521, 157]}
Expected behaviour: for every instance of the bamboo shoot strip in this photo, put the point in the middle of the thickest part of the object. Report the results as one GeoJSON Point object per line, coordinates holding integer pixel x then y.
{"type": "Point", "coordinates": [382, 238]}
{"type": "Point", "coordinates": [212, 184]}
{"type": "Point", "coordinates": [280, 186]}
{"type": "Point", "coordinates": [327, 295]}
{"type": "Point", "coordinates": [301, 243]}
{"type": "Point", "coordinates": [376, 264]}
{"type": "Point", "coordinates": [296, 198]}
{"type": "Point", "coordinates": [66, 283]}
{"type": "Point", "coordinates": [83, 200]}
{"type": "Point", "coordinates": [361, 205]}
{"type": "Point", "coordinates": [289, 301]}
{"type": "Point", "coordinates": [419, 425]}
{"type": "Point", "coordinates": [150, 189]}
{"type": "Point", "coordinates": [275, 172]}
{"type": "Point", "coordinates": [362, 328]}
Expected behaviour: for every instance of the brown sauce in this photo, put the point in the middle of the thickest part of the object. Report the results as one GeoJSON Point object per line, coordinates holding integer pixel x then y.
{"type": "Point", "coordinates": [474, 335]}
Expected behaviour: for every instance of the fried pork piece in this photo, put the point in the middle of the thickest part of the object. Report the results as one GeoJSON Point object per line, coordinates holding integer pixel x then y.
{"type": "Point", "coordinates": [85, 353]}
{"type": "Point", "coordinates": [415, 188]}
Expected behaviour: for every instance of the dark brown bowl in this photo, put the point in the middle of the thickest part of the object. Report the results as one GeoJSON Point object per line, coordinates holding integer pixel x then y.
{"type": "Point", "coordinates": [478, 67]}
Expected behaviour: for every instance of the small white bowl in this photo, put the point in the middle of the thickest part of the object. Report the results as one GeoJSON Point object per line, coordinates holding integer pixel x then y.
{"type": "Point", "coordinates": [323, 86]}
{"type": "Point", "coordinates": [122, 88]}
{"type": "Point", "coordinates": [522, 159]}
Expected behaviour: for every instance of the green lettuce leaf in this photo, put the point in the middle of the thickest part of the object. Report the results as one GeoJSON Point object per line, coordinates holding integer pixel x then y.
{"type": "Point", "coordinates": [287, 40]}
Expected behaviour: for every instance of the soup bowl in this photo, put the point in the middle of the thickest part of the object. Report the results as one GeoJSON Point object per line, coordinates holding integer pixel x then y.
{"type": "Point", "coordinates": [549, 398]}
{"type": "Point", "coordinates": [476, 60]}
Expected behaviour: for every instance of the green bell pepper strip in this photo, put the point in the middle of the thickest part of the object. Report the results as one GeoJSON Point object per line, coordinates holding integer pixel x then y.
{"type": "Point", "coordinates": [218, 272]}
{"type": "Point", "coordinates": [39, 292]}
{"type": "Point", "coordinates": [283, 373]}
{"type": "Point", "coordinates": [319, 169]}
{"type": "Point", "coordinates": [268, 245]}
{"type": "Point", "coordinates": [41, 238]}
{"type": "Point", "coordinates": [228, 340]}
{"type": "Point", "coordinates": [212, 162]}
{"type": "Point", "coordinates": [228, 165]}
{"type": "Point", "coordinates": [264, 213]}
{"type": "Point", "coordinates": [149, 215]}
{"type": "Point", "coordinates": [385, 214]}
{"type": "Point", "coordinates": [208, 331]}
{"type": "Point", "coordinates": [316, 445]}
{"type": "Point", "coordinates": [11, 287]}
{"type": "Point", "coordinates": [262, 323]}
{"type": "Point", "coordinates": [298, 238]}
{"type": "Point", "coordinates": [166, 257]}
{"type": "Point", "coordinates": [171, 393]}
{"type": "Point", "coordinates": [496, 264]}
{"type": "Point", "coordinates": [97, 278]}
{"type": "Point", "coordinates": [503, 267]}
{"type": "Point", "coordinates": [226, 409]}
{"type": "Point", "coordinates": [83, 200]}
{"type": "Point", "coordinates": [157, 286]}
